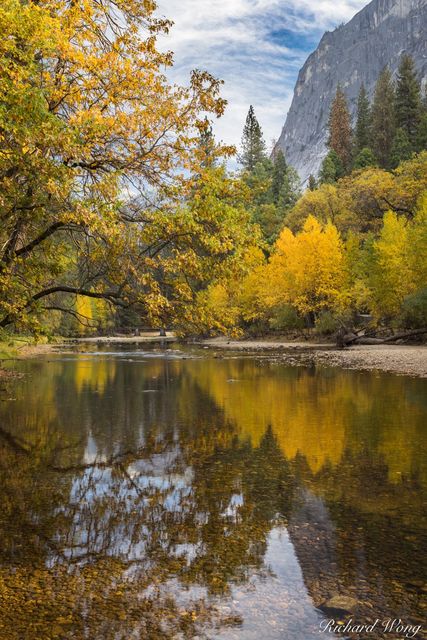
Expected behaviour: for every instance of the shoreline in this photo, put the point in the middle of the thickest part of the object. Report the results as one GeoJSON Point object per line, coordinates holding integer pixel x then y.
{"type": "Point", "coordinates": [27, 350]}
{"type": "Point", "coordinates": [66, 345]}
{"type": "Point", "coordinates": [397, 359]}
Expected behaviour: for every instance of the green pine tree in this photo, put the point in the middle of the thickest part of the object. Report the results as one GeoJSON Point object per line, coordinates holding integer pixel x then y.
{"type": "Point", "coordinates": [270, 221]}
{"type": "Point", "coordinates": [383, 118]}
{"type": "Point", "coordinates": [402, 148]}
{"type": "Point", "coordinates": [280, 169]}
{"type": "Point", "coordinates": [332, 169]}
{"type": "Point", "coordinates": [263, 212]}
{"type": "Point", "coordinates": [421, 141]}
{"type": "Point", "coordinates": [275, 188]}
{"type": "Point", "coordinates": [253, 145]}
{"type": "Point", "coordinates": [365, 158]}
{"type": "Point", "coordinates": [290, 190]}
{"type": "Point", "coordinates": [408, 99]}
{"type": "Point", "coordinates": [363, 131]}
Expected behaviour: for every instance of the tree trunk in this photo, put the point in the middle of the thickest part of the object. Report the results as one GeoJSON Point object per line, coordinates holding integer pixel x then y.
{"type": "Point", "coordinates": [351, 339]}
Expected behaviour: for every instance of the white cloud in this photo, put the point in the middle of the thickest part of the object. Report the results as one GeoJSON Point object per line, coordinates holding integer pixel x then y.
{"type": "Point", "coordinates": [256, 46]}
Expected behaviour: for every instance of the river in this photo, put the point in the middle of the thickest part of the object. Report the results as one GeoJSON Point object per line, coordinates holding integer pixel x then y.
{"type": "Point", "coordinates": [170, 493]}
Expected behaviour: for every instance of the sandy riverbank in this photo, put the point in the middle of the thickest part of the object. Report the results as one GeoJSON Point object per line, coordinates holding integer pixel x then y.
{"type": "Point", "coordinates": [402, 360]}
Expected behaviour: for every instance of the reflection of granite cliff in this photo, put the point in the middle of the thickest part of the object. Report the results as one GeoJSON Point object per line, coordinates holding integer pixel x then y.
{"type": "Point", "coordinates": [313, 535]}
{"type": "Point", "coordinates": [359, 546]}
{"type": "Point", "coordinates": [350, 55]}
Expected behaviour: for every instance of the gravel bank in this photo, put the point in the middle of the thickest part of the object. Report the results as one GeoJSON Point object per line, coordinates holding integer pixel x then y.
{"type": "Point", "coordinates": [402, 360]}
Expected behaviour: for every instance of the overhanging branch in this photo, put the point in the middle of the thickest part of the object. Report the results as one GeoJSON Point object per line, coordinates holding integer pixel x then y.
{"type": "Point", "coordinates": [115, 297]}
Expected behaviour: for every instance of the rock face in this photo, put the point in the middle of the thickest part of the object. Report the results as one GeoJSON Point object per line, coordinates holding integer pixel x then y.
{"type": "Point", "coordinates": [354, 53]}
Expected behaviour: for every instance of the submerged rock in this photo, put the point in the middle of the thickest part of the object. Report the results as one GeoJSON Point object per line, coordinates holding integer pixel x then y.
{"type": "Point", "coordinates": [339, 605]}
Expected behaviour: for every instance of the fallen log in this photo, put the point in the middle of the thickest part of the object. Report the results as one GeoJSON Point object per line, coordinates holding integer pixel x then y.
{"type": "Point", "coordinates": [352, 339]}
{"type": "Point", "coordinates": [408, 334]}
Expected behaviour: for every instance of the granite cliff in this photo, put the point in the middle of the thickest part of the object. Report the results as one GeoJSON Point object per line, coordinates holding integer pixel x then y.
{"type": "Point", "coordinates": [354, 53]}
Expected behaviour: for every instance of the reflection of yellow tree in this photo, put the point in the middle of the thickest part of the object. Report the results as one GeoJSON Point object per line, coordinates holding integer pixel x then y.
{"type": "Point", "coordinates": [300, 407]}
{"type": "Point", "coordinates": [318, 414]}
{"type": "Point", "coordinates": [94, 373]}
{"type": "Point", "coordinates": [33, 414]}
{"type": "Point", "coordinates": [402, 448]}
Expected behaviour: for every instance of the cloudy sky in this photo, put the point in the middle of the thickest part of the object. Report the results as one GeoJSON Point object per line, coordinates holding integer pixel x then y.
{"type": "Point", "coordinates": [256, 46]}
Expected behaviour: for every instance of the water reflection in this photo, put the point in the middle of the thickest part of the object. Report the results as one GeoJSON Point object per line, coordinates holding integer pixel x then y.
{"type": "Point", "coordinates": [152, 497]}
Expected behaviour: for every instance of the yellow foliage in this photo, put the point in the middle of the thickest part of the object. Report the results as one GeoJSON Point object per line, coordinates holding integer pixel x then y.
{"type": "Point", "coordinates": [219, 310]}
{"type": "Point", "coordinates": [325, 203]}
{"type": "Point", "coordinates": [358, 202]}
{"type": "Point", "coordinates": [391, 260]}
{"type": "Point", "coordinates": [307, 270]}
{"type": "Point", "coordinates": [400, 261]}
{"type": "Point", "coordinates": [382, 261]}
{"type": "Point", "coordinates": [232, 297]}
{"type": "Point", "coordinates": [84, 314]}
{"type": "Point", "coordinates": [90, 121]}
{"type": "Point", "coordinates": [411, 181]}
{"type": "Point", "coordinates": [417, 243]}
{"type": "Point", "coordinates": [249, 292]}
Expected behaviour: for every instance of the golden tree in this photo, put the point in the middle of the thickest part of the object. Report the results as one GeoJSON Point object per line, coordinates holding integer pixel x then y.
{"type": "Point", "coordinates": [399, 266]}
{"type": "Point", "coordinates": [308, 270]}
{"type": "Point", "coordinates": [96, 148]}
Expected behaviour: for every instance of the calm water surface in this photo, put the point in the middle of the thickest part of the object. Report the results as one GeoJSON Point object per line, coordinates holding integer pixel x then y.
{"type": "Point", "coordinates": [172, 494]}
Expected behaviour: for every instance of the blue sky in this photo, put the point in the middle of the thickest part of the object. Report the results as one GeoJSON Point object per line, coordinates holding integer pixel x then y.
{"type": "Point", "coordinates": [256, 46]}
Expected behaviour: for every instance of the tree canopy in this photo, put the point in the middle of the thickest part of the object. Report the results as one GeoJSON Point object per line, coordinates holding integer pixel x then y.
{"type": "Point", "coordinates": [97, 154]}
{"type": "Point", "coordinates": [115, 195]}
